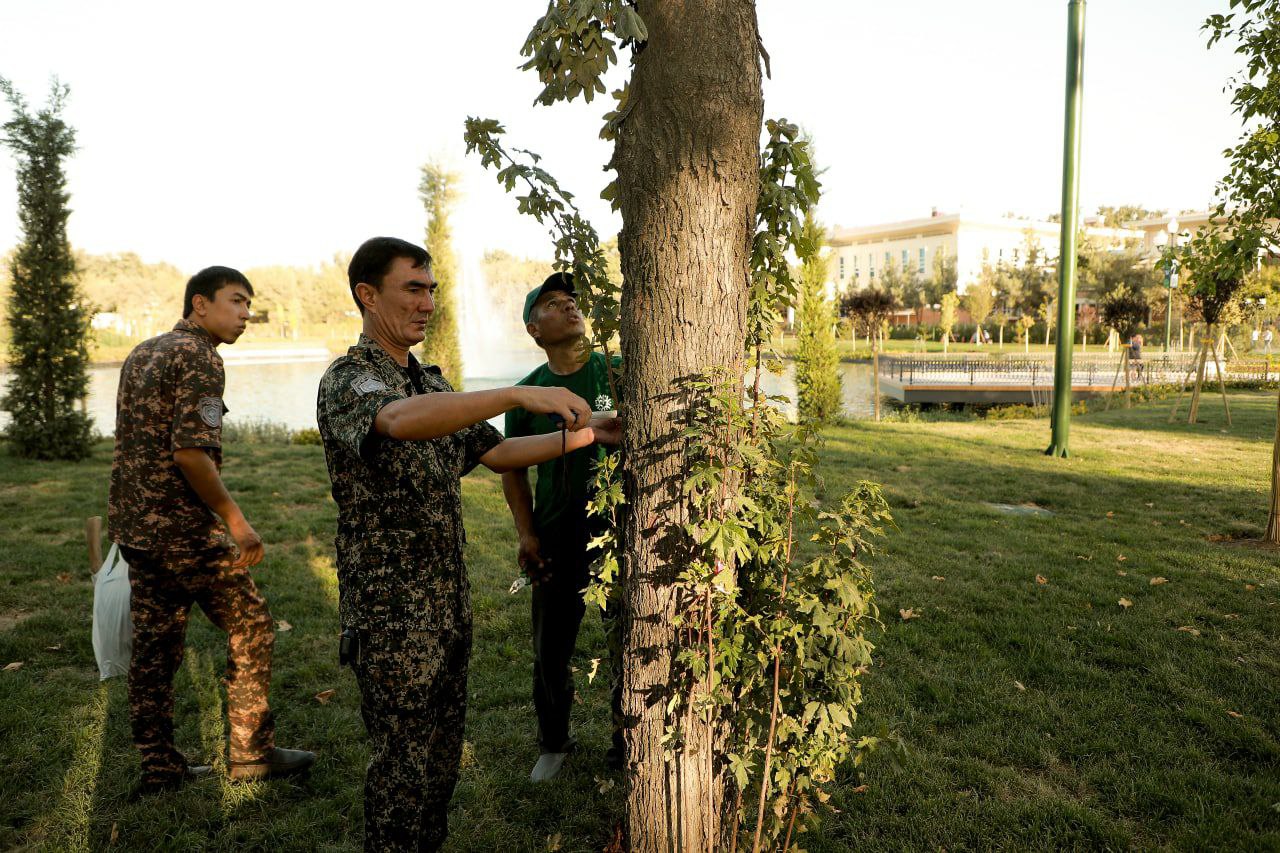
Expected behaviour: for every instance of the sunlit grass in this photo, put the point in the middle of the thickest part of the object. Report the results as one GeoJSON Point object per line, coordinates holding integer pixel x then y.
{"type": "Point", "coordinates": [1121, 734]}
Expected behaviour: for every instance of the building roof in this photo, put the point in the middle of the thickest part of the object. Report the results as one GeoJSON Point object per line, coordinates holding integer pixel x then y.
{"type": "Point", "coordinates": [1198, 217]}
{"type": "Point", "coordinates": [949, 223]}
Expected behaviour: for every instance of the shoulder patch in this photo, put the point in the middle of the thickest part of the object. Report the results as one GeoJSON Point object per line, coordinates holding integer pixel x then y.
{"type": "Point", "coordinates": [211, 411]}
{"type": "Point", "coordinates": [367, 383]}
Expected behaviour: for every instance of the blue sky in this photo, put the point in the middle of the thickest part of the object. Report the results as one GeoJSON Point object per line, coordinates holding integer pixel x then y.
{"type": "Point", "coordinates": [250, 133]}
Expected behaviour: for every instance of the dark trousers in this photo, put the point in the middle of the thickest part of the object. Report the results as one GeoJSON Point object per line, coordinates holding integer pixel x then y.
{"type": "Point", "coordinates": [413, 698]}
{"type": "Point", "coordinates": [557, 611]}
{"type": "Point", "coordinates": [163, 586]}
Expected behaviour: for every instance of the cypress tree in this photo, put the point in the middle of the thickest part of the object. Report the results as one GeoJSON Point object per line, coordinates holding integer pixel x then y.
{"type": "Point", "coordinates": [439, 193]}
{"type": "Point", "coordinates": [817, 364]}
{"type": "Point", "coordinates": [48, 318]}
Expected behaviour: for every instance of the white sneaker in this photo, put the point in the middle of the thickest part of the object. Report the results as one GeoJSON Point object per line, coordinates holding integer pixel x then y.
{"type": "Point", "coordinates": [548, 766]}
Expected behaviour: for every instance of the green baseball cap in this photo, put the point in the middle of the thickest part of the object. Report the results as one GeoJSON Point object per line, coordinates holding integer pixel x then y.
{"type": "Point", "coordinates": [561, 281]}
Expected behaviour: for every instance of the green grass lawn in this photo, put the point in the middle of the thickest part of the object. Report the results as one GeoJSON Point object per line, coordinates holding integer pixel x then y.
{"type": "Point", "coordinates": [1033, 714]}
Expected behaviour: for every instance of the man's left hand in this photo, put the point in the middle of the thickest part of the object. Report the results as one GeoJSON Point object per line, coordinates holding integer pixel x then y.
{"type": "Point", "coordinates": [607, 430]}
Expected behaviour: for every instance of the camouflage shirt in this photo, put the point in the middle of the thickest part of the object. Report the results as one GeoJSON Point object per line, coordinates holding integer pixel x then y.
{"type": "Point", "coordinates": [170, 398]}
{"type": "Point", "coordinates": [400, 530]}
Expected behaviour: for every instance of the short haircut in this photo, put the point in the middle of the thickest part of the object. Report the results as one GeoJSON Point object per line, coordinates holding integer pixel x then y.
{"type": "Point", "coordinates": [374, 257]}
{"type": "Point", "coordinates": [208, 282]}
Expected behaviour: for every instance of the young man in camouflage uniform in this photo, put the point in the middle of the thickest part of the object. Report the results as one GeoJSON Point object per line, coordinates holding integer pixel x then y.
{"type": "Point", "coordinates": [398, 439]}
{"type": "Point", "coordinates": [553, 524]}
{"type": "Point", "coordinates": [165, 501]}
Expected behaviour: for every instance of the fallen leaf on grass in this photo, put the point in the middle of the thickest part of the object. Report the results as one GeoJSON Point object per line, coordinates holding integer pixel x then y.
{"type": "Point", "coordinates": [595, 667]}
{"type": "Point", "coordinates": [1122, 573]}
{"type": "Point", "coordinates": [908, 613]}
{"type": "Point", "coordinates": [939, 578]}
{"type": "Point", "coordinates": [1041, 579]}
{"type": "Point", "coordinates": [13, 667]}
{"type": "Point", "coordinates": [282, 626]}
{"type": "Point", "coordinates": [1120, 558]}
{"type": "Point", "coordinates": [115, 832]}
{"type": "Point", "coordinates": [554, 842]}
{"type": "Point", "coordinates": [861, 789]}
{"type": "Point", "coordinates": [54, 648]}
{"type": "Point", "coordinates": [1235, 715]}
{"type": "Point", "coordinates": [1157, 581]}
{"type": "Point", "coordinates": [1082, 557]}
{"type": "Point", "coordinates": [1150, 504]}
{"type": "Point", "coordinates": [1231, 616]}
{"type": "Point", "coordinates": [1110, 514]}
{"type": "Point", "coordinates": [64, 577]}
{"type": "Point", "coordinates": [324, 696]}
{"type": "Point", "coordinates": [1240, 659]}
{"type": "Point", "coordinates": [1018, 684]}
{"type": "Point", "coordinates": [1183, 522]}
{"type": "Point", "coordinates": [1195, 632]}
{"type": "Point", "coordinates": [1249, 587]}
{"type": "Point", "coordinates": [603, 784]}
{"type": "Point", "coordinates": [1125, 603]}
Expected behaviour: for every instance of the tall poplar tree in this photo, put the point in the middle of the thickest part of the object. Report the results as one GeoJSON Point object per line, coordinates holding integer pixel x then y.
{"type": "Point", "coordinates": [817, 363]}
{"type": "Point", "coordinates": [48, 318]}
{"type": "Point", "coordinates": [439, 192]}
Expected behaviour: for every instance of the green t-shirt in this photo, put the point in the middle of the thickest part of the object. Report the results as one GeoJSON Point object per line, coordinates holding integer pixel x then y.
{"type": "Point", "coordinates": [560, 495]}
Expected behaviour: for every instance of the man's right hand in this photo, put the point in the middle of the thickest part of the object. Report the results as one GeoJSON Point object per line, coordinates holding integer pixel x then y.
{"type": "Point", "coordinates": [249, 543]}
{"type": "Point", "coordinates": [530, 560]}
{"type": "Point", "coordinates": [575, 411]}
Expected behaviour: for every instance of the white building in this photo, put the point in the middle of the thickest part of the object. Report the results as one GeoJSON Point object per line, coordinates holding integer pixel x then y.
{"type": "Point", "coordinates": [860, 254]}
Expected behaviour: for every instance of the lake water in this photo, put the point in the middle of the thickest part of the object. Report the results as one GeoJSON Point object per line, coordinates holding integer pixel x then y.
{"type": "Point", "coordinates": [286, 392]}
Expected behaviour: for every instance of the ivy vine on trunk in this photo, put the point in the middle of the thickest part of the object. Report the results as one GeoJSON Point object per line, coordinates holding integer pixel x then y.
{"type": "Point", "coordinates": [744, 592]}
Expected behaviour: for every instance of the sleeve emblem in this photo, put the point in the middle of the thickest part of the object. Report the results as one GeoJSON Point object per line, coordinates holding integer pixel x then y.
{"type": "Point", "coordinates": [367, 383]}
{"type": "Point", "coordinates": [211, 411]}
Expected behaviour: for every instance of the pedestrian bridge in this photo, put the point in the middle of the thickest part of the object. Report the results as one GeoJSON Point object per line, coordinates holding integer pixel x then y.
{"type": "Point", "coordinates": [985, 380]}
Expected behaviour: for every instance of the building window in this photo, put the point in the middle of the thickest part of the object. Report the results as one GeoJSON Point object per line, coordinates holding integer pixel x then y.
{"type": "Point", "coordinates": [922, 259]}
{"type": "Point", "coordinates": [1000, 254]}
{"type": "Point", "coordinates": [842, 267]}
{"type": "Point", "coordinates": [1015, 256]}
{"type": "Point", "coordinates": [888, 258]}
{"type": "Point", "coordinates": [904, 260]}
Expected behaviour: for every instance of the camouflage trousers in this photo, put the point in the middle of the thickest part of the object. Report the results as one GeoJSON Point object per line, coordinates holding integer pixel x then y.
{"type": "Point", "coordinates": [163, 586]}
{"type": "Point", "coordinates": [413, 698]}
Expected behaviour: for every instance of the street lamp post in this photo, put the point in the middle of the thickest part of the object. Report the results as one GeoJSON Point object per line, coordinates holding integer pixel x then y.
{"type": "Point", "coordinates": [1061, 418]}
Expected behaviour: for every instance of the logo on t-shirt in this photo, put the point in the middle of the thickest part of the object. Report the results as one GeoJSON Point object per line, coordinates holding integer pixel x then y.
{"type": "Point", "coordinates": [604, 403]}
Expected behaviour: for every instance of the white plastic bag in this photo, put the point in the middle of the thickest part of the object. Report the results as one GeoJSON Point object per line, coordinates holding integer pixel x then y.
{"type": "Point", "coordinates": [112, 625]}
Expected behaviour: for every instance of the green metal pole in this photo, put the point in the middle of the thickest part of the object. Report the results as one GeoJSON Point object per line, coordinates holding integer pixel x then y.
{"type": "Point", "coordinates": [1061, 417]}
{"type": "Point", "coordinates": [1168, 311]}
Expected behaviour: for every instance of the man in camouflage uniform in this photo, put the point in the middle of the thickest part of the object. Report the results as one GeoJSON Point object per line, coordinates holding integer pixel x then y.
{"type": "Point", "coordinates": [397, 440]}
{"type": "Point", "coordinates": [165, 499]}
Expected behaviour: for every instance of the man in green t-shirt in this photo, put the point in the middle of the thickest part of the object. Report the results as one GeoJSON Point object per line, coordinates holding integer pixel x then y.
{"type": "Point", "coordinates": [551, 518]}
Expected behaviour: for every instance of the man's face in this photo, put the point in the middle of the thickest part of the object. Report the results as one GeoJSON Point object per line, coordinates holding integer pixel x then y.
{"type": "Point", "coordinates": [403, 305]}
{"type": "Point", "coordinates": [226, 315]}
{"type": "Point", "coordinates": [555, 319]}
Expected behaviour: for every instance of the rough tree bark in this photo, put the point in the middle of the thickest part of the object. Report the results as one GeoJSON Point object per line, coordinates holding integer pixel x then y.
{"type": "Point", "coordinates": [687, 158]}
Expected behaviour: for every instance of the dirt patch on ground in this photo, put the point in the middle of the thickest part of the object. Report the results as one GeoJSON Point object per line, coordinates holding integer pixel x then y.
{"type": "Point", "coordinates": [10, 619]}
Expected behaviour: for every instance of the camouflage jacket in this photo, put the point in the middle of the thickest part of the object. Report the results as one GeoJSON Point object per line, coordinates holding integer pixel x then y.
{"type": "Point", "coordinates": [170, 398]}
{"type": "Point", "coordinates": [400, 532]}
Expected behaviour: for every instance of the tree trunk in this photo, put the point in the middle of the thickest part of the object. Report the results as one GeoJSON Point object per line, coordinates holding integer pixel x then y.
{"type": "Point", "coordinates": [687, 158]}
